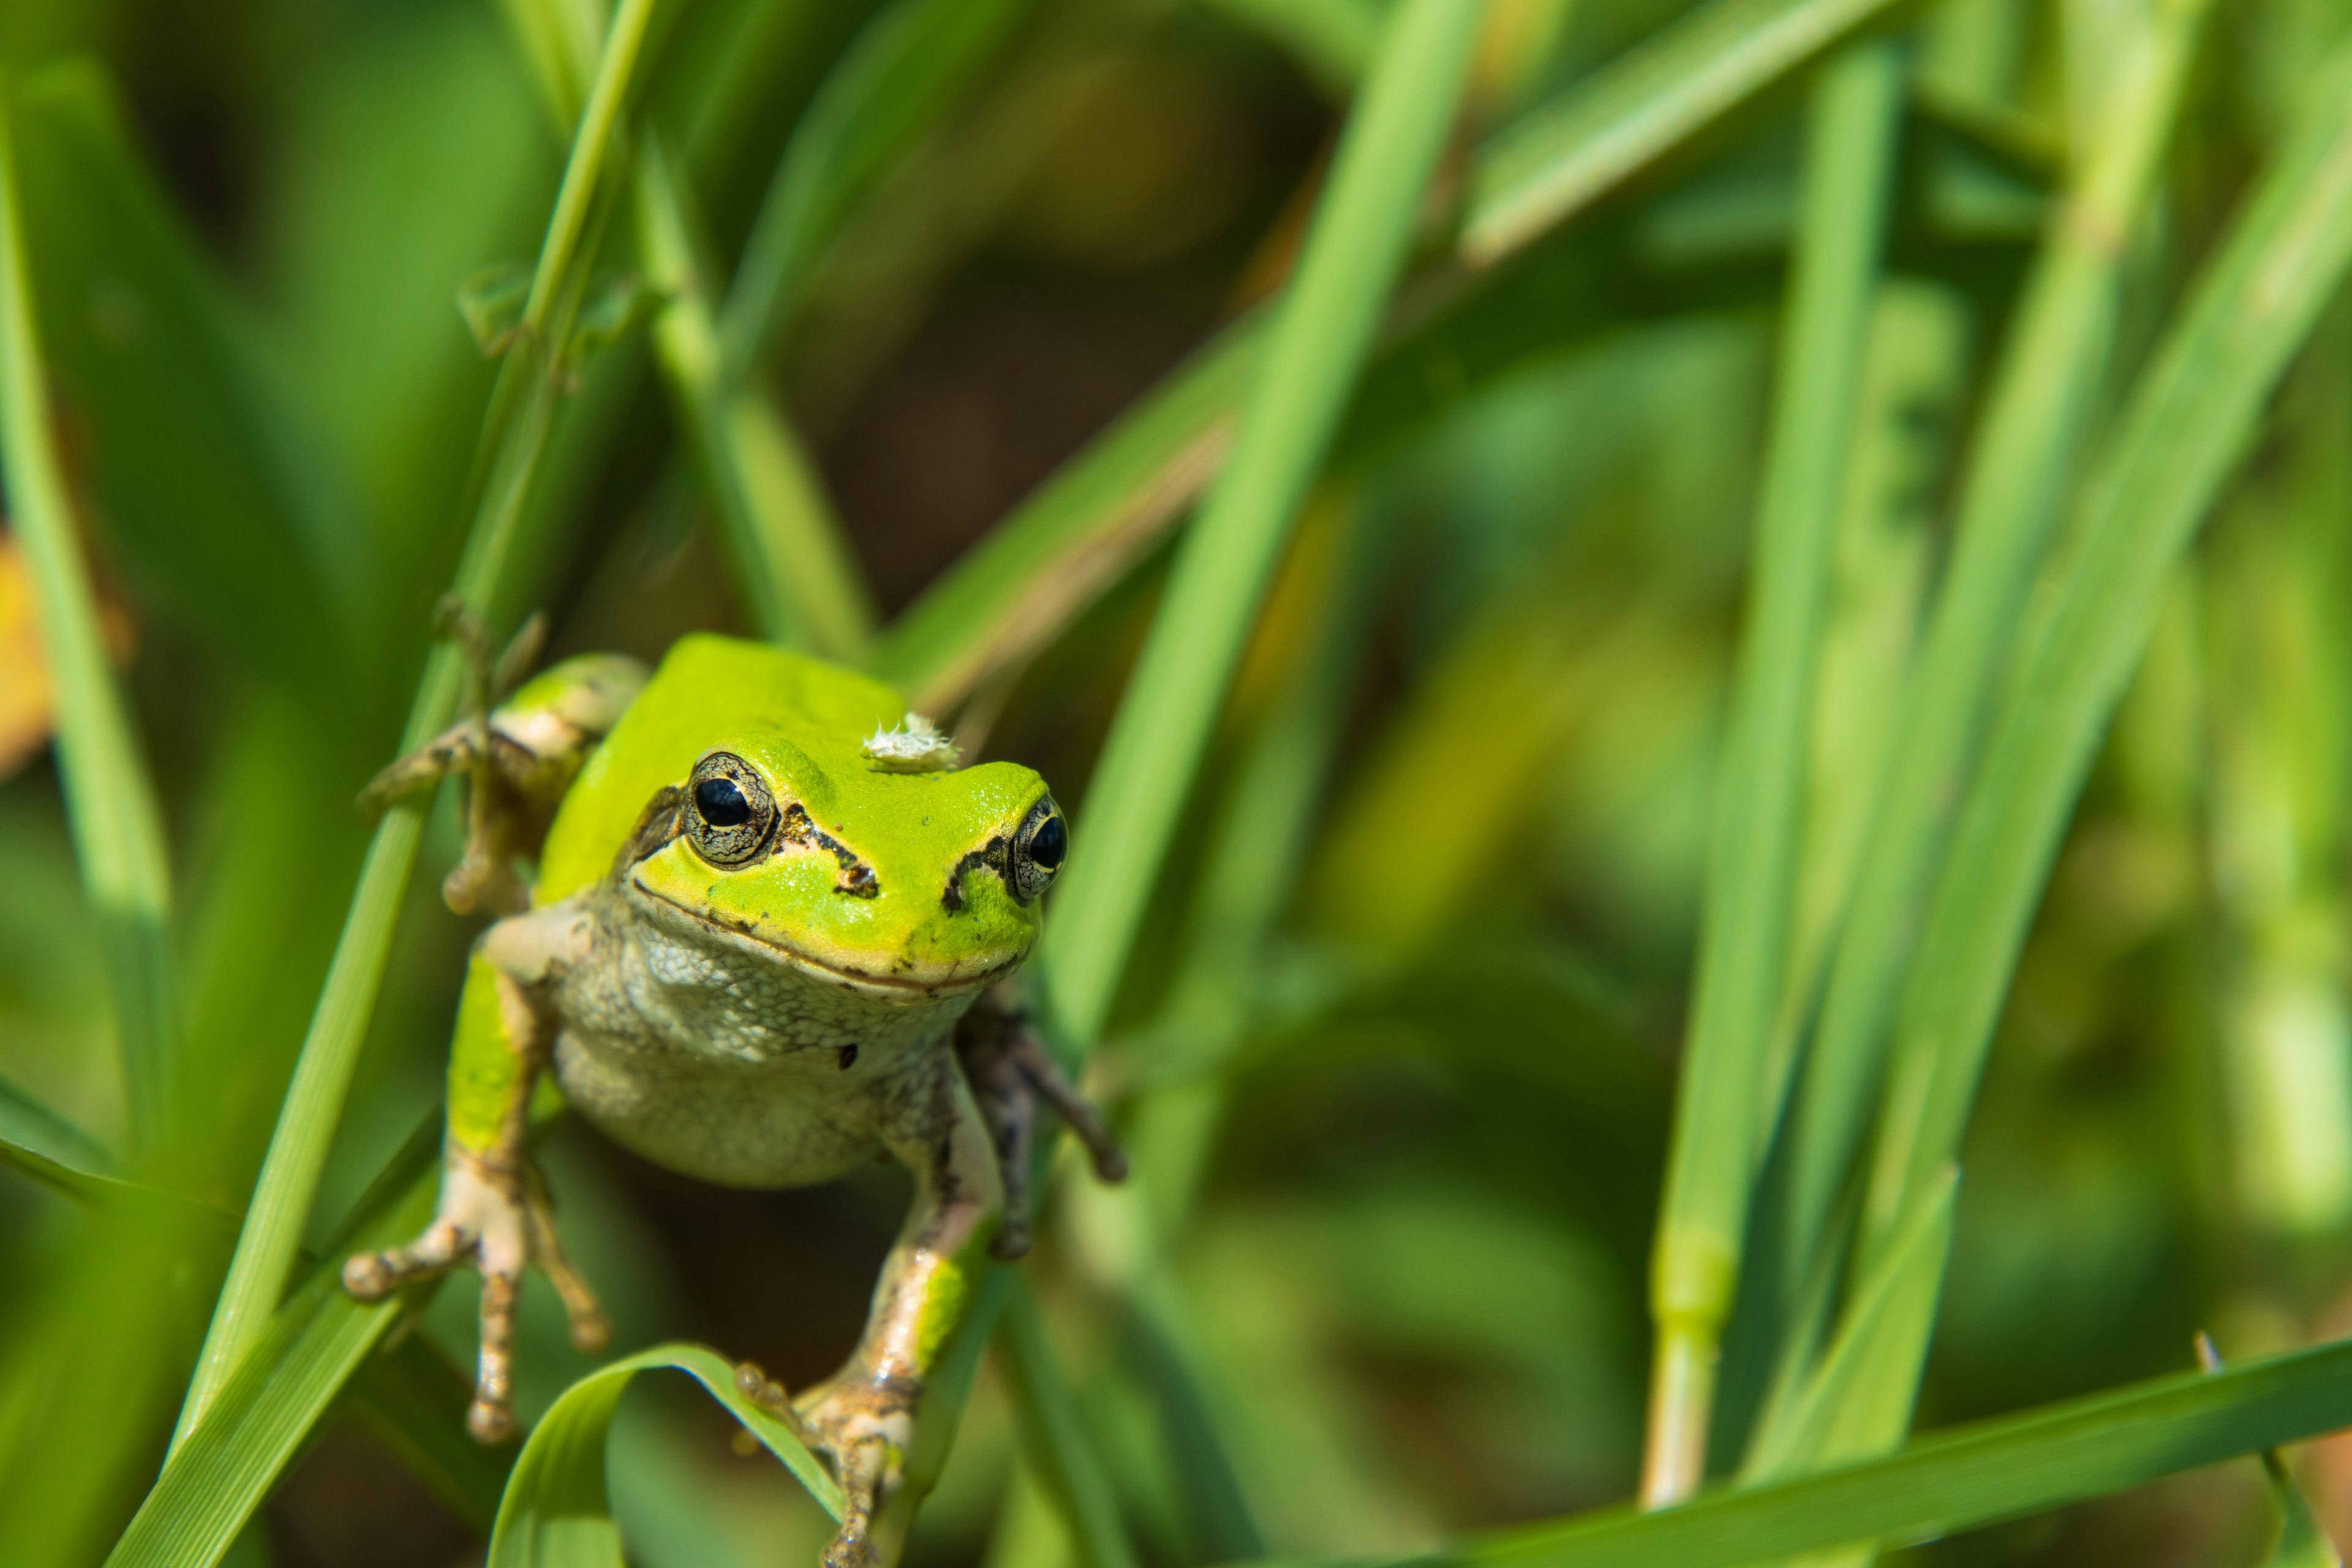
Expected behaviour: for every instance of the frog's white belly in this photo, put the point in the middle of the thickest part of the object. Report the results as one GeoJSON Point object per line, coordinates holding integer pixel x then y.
{"type": "Point", "coordinates": [707, 1055]}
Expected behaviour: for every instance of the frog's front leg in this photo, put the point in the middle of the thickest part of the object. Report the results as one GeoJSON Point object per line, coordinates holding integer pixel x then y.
{"type": "Point", "coordinates": [519, 759]}
{"type": "Point", "coordinates": [494, 1212]}
{"type": "Point", "coordinates": [862, 1419]}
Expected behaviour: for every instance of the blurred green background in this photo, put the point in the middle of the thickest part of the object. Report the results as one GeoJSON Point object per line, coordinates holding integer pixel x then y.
{"type": "Point", "coordinates": [1409, 1139]}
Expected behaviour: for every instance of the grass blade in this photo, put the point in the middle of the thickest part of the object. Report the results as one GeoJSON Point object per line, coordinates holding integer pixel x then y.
{"type": "Point", "coordinates": [2191, 420]}
{"type": "Point", "coordinates": [802, 583]}
{"type": "Point", "coordinates": [2014, 485]}
{"type": "Point", "coordinates": [1321, 332]}
{"type": "Point", "coordinates": [110, 804]}
{"type": "Point", "coordinates": [1555, 160]}
{"type": "Point", "coordinates": [1059, 1452]}
{"type": "Point", "coordinates": [1760, 789]}
{"type": "Point", "coordinates": [1955, 1480]}
{"type": "Point", "coordinates": [514, 435]}
{"type": "Point", "coordinates": [901, 74]}
{"type": "Point", "coordinates": [555, 1514]}
{"type": "Point", "coordinates": [1102, 510]}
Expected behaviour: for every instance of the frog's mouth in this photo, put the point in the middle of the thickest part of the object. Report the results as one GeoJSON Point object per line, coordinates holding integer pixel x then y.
{"type": "Point", "coordinates": [909, 982]}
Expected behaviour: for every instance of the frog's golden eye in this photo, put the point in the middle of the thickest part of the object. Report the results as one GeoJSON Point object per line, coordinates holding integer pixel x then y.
{"type": "Point", "coordinates": [1039, 845]}
{"type": "Point", "coordinates": [731, 814]}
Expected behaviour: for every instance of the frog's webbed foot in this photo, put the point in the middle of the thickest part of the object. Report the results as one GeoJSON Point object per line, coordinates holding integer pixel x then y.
{"type": "Point", "coordinates": [519, 757]}
{"type": "Point", "coordinates": [1010, 1072]}
{"type": "Point", "coordinates": [494, 1215]}
{"type": "Point", "coordinates": [862, 1429]}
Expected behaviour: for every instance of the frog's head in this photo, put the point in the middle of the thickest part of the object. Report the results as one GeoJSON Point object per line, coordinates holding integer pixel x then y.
{"type": "Point", "coordinates": [927, 883]}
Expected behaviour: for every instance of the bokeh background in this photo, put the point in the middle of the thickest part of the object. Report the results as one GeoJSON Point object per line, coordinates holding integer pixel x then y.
{"type": "Point", "coordinates": [1418, 1129]}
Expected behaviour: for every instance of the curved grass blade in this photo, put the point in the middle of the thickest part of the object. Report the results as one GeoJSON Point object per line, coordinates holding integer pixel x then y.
{"type": "Point", "coordinates": [1761, 789]}
{"type": "Point", "coordinates": [901, 74]}
{"type": "Point", "coordinates": [1955, 1480]}
{"type": "Point", "coordinates": [1556, 159]}
{"type": "Point", "coordinates": [555, 1514]}
{"type": "Point", "coordinates": [1321, 332]}
{"type": "Point", "coordinates": [2191, 418]}
{"type": "Point", "coordinates": [110, 805]}
{"type": "Point", "coordinates": [514, 435]}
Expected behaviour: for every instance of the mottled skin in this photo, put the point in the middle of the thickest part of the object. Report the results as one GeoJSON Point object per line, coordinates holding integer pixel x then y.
{"type": "Point", "coordinates": [746, 959]}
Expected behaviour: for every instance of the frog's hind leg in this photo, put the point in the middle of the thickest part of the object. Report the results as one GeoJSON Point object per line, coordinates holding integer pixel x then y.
{"type": "Point", "coordinates": [1010, 1072]}
{"type": "Point", "coordinates": [519, 757]}
{"type": "Point", "coordinates": [494, 1212]}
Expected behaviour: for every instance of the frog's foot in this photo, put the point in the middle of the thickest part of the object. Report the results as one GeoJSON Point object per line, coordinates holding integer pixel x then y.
{"type": "Point", "coordinates": [863, 1428]}
{"type": "Point", "coordinates": [494, 1215]}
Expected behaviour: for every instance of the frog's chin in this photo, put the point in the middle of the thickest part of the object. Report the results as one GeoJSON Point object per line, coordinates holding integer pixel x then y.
{"type": "Point", "coordinates": [909, 984]}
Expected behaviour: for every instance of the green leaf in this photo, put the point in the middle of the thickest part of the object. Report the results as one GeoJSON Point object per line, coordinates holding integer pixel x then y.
{"type": "Point", "coordinates": [1321, 332]}
{"type": "Point", "coordinates": [900, 76]}
{"type": "Point", "coordinates": [1958, 1479]}
{"type": "Point", "coordinates": [118, 823]}
{"type": "Point", "coordinates": [1556, 159]}
{"type": "Point", "coordinates": [491, 301]}
{"type": "Point", "coordinates": [555, 1514]}
{"type": "Point", "coordinates": [514, 436]}
{"type": "Point", "coordinates": [1753, 852]}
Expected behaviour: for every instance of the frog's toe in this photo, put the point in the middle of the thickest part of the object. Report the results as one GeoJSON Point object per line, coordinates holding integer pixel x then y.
{"type": "Point", "coordinates": [373, 1275]}
{"type": "Point", "coordinates": [863, 1430]}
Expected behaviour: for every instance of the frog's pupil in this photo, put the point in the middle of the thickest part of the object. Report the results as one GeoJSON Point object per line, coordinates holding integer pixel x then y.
{"type": "Point", "coordinates": [1050, 843]}
{"type": "Point", "coordinates": [721, 804]}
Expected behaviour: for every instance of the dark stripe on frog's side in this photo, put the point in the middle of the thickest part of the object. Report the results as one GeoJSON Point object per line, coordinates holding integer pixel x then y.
{"type": "Point", "coordinates": [664, 819]}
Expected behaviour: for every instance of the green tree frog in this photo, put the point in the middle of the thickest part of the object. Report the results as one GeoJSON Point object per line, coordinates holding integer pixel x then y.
{"type": "Point", "coordinates": [767, 903]}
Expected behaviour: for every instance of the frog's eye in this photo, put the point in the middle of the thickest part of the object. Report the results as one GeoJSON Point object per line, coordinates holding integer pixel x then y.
{"type": "Point", "coordinates": [1038, 847]}
{"type": "Point", "coordinates": [733, 814]}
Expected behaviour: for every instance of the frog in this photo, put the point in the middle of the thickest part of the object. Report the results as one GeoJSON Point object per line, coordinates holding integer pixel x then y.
{"type": "Point", "coordinates": [771, 936]}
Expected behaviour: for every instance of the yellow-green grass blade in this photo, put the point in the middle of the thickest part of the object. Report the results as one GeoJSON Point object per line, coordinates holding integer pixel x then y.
{"type": "Point", "coordinates": [110, 803]}
{"type": "Point", "coordinates": [223, 1467]}
{"type": "Point", "coordinates": [513, 437]}
{"type": "Point", "coordinates": [1321, 331]}
{"type": "Point", "coordinates": [2301, 1543]}
{"type": "Point", "coordinates": [900, 76]}
{"type": "Point", "coordinates": [555, 1513]}
{"type": "Point", "coordinates": [803, 585]}
{"type": "Point", "coordinates": [2035, 417]}
{"type": "Point", "coordinates": [1760, 787]}
{"type": "Point", "coordinates": [1102, 509]}
{"type": "Point", "coordinates": [1053, 1439]}
{"type": "Point", "coordinates": [2190, 419]}
{"type": "Point", "coordinates": [1955, 1480]}
{"type": "Point", "coordinates": [1555, 160]}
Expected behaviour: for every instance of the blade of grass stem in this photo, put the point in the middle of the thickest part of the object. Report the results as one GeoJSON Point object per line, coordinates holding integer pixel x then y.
{"type": "Point", "coordinates": [2190, 419]}
{"type": "Point", "coordinates": [1054, 1440]}
{"type": "Point", "coordinates": [1320, 334]}
{"type": "Point", "coordinates": [803, 585]}
{"type": "Point", "coordinates": [110, 803]}
{"type": "Point", "coordinates": [514, 435]}
{"type": "Point", "coordinates": [1958, 1479]}
{"type": "Point", "coordinates": [32, 1126]}
{"type": "Point", "coordinates": [2035, 417]}
{"type": "Point", "coordinates": [2301, 1543]}
{"type": "Point", "coordinates": [1760, 789]}
{"type": "Point", "coordinates": [1556, 158]}
{"type": "Point", "coordinates": [899, 76]}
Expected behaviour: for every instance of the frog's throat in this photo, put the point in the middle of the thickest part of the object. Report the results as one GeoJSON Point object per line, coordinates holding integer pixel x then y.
{"type": "Point", "coordinates": [904, 987]}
